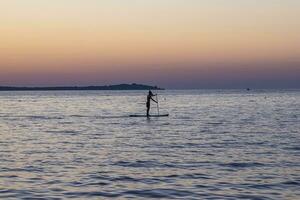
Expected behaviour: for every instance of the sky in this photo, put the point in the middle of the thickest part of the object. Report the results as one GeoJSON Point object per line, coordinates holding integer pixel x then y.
{"type": "Point", "coordinates": [176, 44]}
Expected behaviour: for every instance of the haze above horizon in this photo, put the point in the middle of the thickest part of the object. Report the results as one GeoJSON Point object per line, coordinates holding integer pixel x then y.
{"type": "Point", "coordinates": [170, 43]}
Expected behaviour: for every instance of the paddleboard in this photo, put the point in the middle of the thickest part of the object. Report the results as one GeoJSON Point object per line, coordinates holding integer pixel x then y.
{"type": "Point", "coordinates": [162, 115]}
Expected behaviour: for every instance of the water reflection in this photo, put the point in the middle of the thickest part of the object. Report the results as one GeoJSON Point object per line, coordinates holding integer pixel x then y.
{"type": "Point", "coordinates": [215, 144]}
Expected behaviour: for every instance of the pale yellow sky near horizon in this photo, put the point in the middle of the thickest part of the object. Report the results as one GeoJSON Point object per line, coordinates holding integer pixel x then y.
{"type": "Point", "coordinates": [107, 37]}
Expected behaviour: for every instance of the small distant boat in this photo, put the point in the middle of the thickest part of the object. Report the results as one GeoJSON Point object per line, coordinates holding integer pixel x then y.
{"type": "Point", "coordinates": [162, 115]}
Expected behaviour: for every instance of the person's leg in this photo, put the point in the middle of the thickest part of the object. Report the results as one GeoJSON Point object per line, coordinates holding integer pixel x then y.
{"type": "Point", "coordinates": [148, 109]}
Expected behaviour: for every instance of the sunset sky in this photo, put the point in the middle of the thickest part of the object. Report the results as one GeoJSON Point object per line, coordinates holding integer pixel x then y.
{"type": "Point", "coordinates": [170, 43]}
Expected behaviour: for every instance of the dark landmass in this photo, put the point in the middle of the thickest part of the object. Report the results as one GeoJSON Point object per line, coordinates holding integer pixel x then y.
{"type": "Point", "coordinates": [132, 86]}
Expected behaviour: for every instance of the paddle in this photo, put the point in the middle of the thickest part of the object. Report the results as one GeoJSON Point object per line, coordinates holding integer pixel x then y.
{"type": "Point", "coordinates": [157, 103]}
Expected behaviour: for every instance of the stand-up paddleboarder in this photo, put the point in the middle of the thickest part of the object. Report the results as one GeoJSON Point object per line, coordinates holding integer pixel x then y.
{"type": "Point", "coordinates": [149, 98]}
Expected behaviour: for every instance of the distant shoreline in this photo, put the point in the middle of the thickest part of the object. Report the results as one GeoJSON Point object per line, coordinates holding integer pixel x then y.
{"type": "Point", "coordinates": [132, 86]}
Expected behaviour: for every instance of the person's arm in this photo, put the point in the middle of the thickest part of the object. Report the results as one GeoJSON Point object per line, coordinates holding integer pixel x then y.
{"type": "Point", "coordinates": [153, 99]}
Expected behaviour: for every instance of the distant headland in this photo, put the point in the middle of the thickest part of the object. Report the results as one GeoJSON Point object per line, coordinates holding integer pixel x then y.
{"type": "Point", "coordinates": [132, 86]}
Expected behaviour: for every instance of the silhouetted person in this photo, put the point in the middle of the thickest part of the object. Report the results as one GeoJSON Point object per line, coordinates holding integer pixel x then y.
{"type": "Point", "coordinates": [149, 98]}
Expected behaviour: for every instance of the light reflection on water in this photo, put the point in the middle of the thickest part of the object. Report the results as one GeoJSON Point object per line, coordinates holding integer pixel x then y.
{"type": "Point", "coordinates": [215, 145]}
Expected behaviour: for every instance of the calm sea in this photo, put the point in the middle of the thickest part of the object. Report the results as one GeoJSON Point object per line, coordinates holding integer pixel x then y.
{"type": "Point", "coordinates": [216, 144]}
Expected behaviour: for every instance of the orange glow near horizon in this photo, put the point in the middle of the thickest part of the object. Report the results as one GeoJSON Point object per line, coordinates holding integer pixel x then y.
{"type": "Point", "coordinates": [95, 41]}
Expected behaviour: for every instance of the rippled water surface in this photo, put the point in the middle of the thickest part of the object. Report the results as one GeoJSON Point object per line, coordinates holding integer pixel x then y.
{"type": "Point", "coordinates": [225, 144]}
